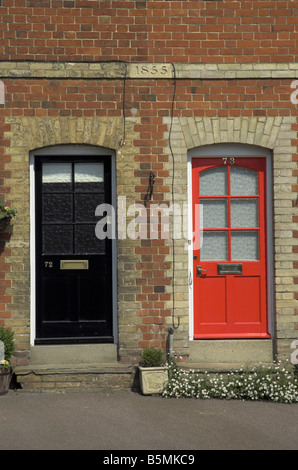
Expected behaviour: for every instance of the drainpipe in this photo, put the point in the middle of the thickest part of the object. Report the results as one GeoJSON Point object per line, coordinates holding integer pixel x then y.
{"type": "Point", "coordinates": [170, 343]}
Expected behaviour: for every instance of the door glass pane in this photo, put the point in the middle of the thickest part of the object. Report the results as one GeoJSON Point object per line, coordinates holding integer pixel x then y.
{"type": "Point", "coordinates": [85, 206]}
{"type": "Point", "coordinates": [213, 182]}
{"type": "Point", "coordinates": [89, 176]}
{"type": "Point", "coordinates": [56, 177]}
{"type": "Point", "coordinates": [86, 241]}
{"type": "Point", "coordinates": [56, 207]}
{"type": "Point", "coordinates": [215, 246]}
{"type": "Point", "coordinates": [243, 181]}
{"type": "Point", "coordinates": [244, 213]}
{"type": "Point", "coordinates": [57, 239]}
{"type": "Point", "coordinates": [214, 213]}
{"type": "Point", "coordinates": [245, 245]}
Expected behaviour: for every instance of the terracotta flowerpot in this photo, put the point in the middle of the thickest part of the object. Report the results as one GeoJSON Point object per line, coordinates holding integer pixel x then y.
{"type": "Point", "coordinates": [5, 379]}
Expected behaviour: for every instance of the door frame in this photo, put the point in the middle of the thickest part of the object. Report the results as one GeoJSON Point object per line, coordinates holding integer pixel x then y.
{"type": "Point", "coordinates": [241, 151]}
{"type": "Point", "coordinates": [69, 150]}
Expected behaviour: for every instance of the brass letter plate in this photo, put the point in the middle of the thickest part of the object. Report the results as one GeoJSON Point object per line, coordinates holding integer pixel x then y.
{"type": "Point", "coordinates": [229, 269]}
{"type": "Point", "coordinates": [74, 264]}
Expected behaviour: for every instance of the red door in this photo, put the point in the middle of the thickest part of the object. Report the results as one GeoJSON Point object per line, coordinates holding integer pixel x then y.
{"type": "Point", "coordinates": [229, 263]}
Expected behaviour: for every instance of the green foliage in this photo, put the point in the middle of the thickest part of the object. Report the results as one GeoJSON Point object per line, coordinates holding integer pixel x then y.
{"type": "Point", "coordinates": [276, 383]}
{"type": "Point", "coordinates": [7, 212]}
{"type": "Point", "coordinates": [7, 336]}
{"type": "Point", "coordinates": [152, 358]}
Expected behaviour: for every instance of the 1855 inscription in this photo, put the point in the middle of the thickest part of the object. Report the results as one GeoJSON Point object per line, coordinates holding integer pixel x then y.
{"type": "Point", "coordinates": [150, 70]}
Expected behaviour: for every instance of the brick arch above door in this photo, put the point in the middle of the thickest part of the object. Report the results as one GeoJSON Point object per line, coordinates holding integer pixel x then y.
{"type": "Point", "coordinates": [188, 133]}
{"type": "Point", "coordinates": [26, 134]}
{"type": "Point", "coordinates": [35, 132]}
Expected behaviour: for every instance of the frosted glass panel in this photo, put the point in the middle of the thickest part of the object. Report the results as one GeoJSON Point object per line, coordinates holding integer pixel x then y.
{"type": "Point", "coordinates": [243, 181]}
{"type": "Point", "coordinates": [56, 173]}
{"type": "Point", "coordinates": [56, 177]}
{"type": "Point", "coordinates": [89, 172]}
{"type": "Point", "coordinates": [244, 213]}
{"type": "Point", "coordinates": [213, 182]}
{"type": "Point", "coordinates": [214, 213]}
{"type": "Point", "coordinates": [245, 246]}
{"type": "Point", "coordinates": [215, 246]}
{"type": "Point", "coordinates": [89, 177]}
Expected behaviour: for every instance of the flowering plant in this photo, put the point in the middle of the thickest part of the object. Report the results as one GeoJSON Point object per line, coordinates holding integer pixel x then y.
{"type": "Point", "coordinates": [274, 383]}
{"type": "Point", "coordinates": [5, 365]}
{"type": "Point", "coordinates": [7, 212]}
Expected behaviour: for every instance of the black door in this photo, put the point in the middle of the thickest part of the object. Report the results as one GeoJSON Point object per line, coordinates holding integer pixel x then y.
{"type": "Point", "coordinates": [73, 266]}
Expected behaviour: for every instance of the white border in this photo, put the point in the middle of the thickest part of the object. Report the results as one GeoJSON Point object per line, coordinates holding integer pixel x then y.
{"type": "Point", "coordinates": [241, 151]}
{"type": "Point", "coordinates": [69, 150]}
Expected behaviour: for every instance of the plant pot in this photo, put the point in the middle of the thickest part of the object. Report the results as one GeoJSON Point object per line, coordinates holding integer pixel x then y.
{"type": "Point", "coordinates": [4, 223]}
{"type": "Point", "coordinates": [153, 379]}
{"type": "Point", "coordinates": [5, 379]}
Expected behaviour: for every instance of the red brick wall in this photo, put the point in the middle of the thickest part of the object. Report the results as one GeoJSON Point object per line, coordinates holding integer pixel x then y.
{"type": "Point", "coordinates": [151, 98]}
{"type": "Point", "coordinates": [154, 31]}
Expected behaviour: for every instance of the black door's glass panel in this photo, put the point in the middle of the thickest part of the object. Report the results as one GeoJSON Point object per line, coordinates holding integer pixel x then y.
{"type": "Point", "coordinates": [89, 187]}
{"type": "Point", "coordinates": [57, 208]}
{"type": "Point", "coordinates": [86, 241]}
{"type": "Point", "coordinates": [56, 177]}
{"type": "Point", "coordinates": [89, 177]}
{"type": "Point", "coordinates": [57, 239]}
{"type": "Point", "coordinates": [85, 206]}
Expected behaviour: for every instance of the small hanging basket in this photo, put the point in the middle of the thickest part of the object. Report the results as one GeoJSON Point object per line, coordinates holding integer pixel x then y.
{"type": "Point", "coordinates": [5, 379]}
{"type": "Point", "coordinates": [4, 223]}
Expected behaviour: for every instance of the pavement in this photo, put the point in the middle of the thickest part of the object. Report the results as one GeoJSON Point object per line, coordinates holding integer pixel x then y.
{"type": "Point", "coordinates": [129, 421]}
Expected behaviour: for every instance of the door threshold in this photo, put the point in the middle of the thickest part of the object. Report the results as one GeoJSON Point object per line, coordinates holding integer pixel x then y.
{"type": "Point", "coordinates": [244, 351]}
{"type": "Point", "coordinates": [71, 354]}
{"type": "Point", "coordinates": [85, 340]}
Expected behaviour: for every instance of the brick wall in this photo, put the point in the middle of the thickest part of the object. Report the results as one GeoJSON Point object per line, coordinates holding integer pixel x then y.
{"type": "Point", "coordinates": [234, 67]}
{"type": "Point", "coordinates": [153, 31]}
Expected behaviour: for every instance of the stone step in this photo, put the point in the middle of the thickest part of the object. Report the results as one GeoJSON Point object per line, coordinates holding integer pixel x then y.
{"type": "Point", "coordinates": [80, 377]}
{"type": "Point", "coordinates": [73, 354]}
{"type": "Point", "coordinates": [224, 367]}
{"type": "Point", "coordinates": [244, 351]}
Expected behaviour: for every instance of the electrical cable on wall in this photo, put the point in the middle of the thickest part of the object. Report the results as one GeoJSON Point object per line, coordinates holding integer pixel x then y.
{"type": "Point", "coordinates": [173, 203]}
{"type": "Point", "coordinates": [122, 141]}
{"type": "Point", "coordinates": [151, 179]}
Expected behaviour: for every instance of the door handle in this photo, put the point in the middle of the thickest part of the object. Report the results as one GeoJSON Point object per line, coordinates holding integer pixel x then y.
{"type": "Point", "coordinates": [199, 270]}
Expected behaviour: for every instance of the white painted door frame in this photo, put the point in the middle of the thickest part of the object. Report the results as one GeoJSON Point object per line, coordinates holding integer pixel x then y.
{"type": "Point", "coordinates": [71, 150]}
